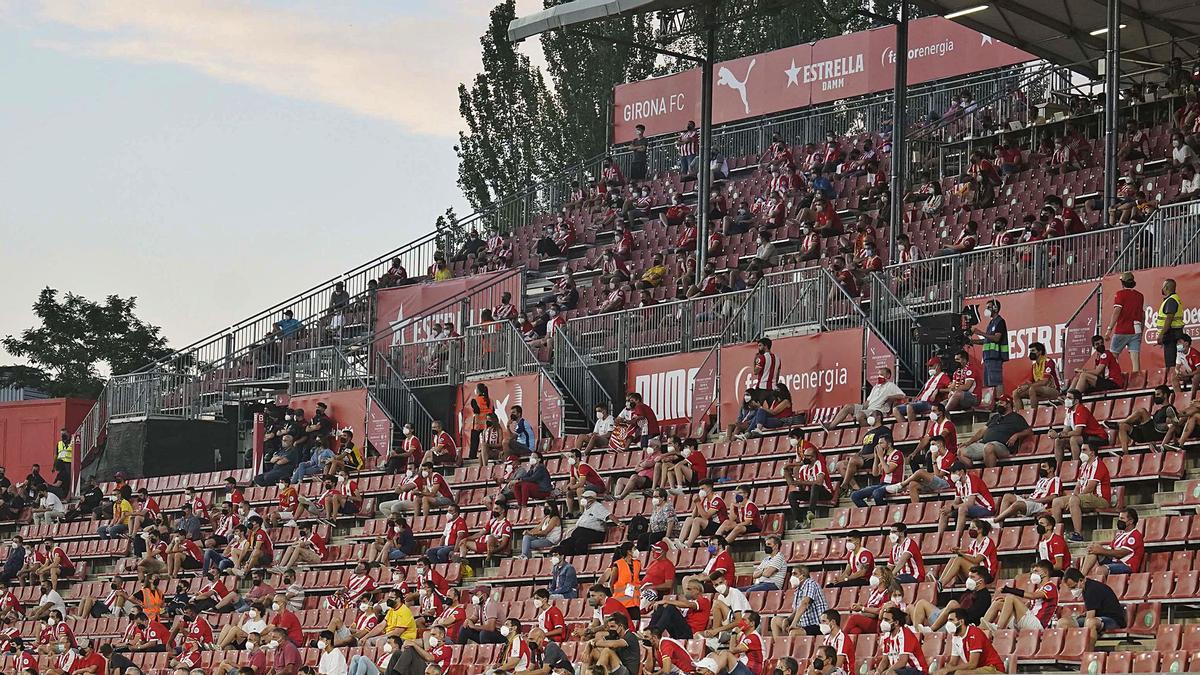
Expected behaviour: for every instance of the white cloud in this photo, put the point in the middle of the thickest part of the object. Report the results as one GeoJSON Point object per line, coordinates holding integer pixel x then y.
{"type": "Point", "coordinates": [404, 69]}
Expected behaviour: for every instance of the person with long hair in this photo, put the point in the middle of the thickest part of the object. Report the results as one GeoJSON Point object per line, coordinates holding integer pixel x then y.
{"type": "Point", "coordinates": [624, 576]}
{"type": "Point", "coordinates": [481, 407]}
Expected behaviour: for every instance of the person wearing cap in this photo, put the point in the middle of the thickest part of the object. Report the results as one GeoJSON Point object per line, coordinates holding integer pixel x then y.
{"type": "Point", "coordinates": [1125, 324]}
{"type": "Point", "coordinates": [288, 326]}
{"type": "Point", "coordinates": [318, 463]}
{"type": "Point", "coordinates": [589, 528]}
{"type": "Point", "coordinates": [935, 390]}
{"type": "Point", "coordinates": [668, 613]}
{"type": "Point", "coordinates": [1003, 435]}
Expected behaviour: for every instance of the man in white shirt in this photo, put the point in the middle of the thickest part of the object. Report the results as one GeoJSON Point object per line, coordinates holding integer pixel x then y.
{"type": "Point", "coordinates": [885, 394]}
{"type": "Point", "coordinates": [600, 431]}
{"type": "Point", "coordinates": [49, 601]}
{"type": "Point", "coordinates": [333, 661]}
{"type": "Point", "coordinates": [49, 509]}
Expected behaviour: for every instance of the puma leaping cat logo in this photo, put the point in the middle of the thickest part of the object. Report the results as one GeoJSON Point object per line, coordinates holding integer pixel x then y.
{"type": "Point", "coordinates": [726, 77]}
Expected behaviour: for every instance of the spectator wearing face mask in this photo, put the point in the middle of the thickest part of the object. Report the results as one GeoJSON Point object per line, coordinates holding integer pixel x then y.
{"type": "Point", "coordinates": [852, 463]}
{"type": "Point", "coordinates": [1149, 426]}
{"type": "Point", "coordinates": [964, 384]}
{"type": "Point", "coordinates": [884, 395]}
{"type": "Point", "coordinates": [545, 535]}
{"type": "Point", "coordinates": [1079, 428]}
{"type": "Point", "coordinates": [807, 478]}
{"type": "Point", "coordinates": [864, 618]}
{"type": "Point", "coordinates": [1124, 554]}
{"type": "Point", "coordinates": [668, 617]}
{"type": "Point", "coordinates": [1093, 491]}
{"type": "Point", "coordinates": [973, 651]}
{"type": "Point", "coordinates": [590, 527]}
{"type": "Point", "coordinates": [708, 513]}
{"type": "Point", "coordinates": [1105, 372]}
{"type": "Point", "coordinates": [1102, 611]}
{"type": "Point", "coordinates": [1047, 488]}
{"type": "Point", "coordinates": [581, 478]}
{"type": "Point", "coordinates": [980, 552]}
{"type": "Point", "coordinates": [771, 571]}
{"type": "Point", "coordinates": [1043, 384]}
{"type": "Point", "coordinates": [1009, 608]}
{"type": "Point", "coordinates": [1000, 438]}
{"type": "Point", "coordinates": [900, 650]}
{"type": "Point", "coordinates": [563, 583]}
{"type": "Point", "coordinates": [1187, 366]}
{"type": "Point", "coordinates": [972, 500]}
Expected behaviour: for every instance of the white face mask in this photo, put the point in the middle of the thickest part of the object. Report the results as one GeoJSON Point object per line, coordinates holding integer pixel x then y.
{"type": "Point", "coordinates": [951, 627]}
{"type": "Point", "coordinates": [1070, 402]}
{"type": "Point", "coordinates": [850, 546]}
{"type": "Point", "coordinates": [826, 629]}
{"type": "Point", "coordinates": [1035, 578]}
{"type": "Point", "coordinates": [396, 576]}
{"type": "Point", "coordinates": [505, 631]}
{"type": "Point", "coordinates": [885, 626]}
{"type": "Point", "coordinates": [987, 313]}
{"type": "Point", "coordinates": [424, 473]}
{"type": "Point", "coordinates": [873, 582]}
{"type": "Point", "coordinates": [721, 588]}
{"type": "Point", "coordinates": [1084, 457]}
{"type": "Point", "coordinates": [934, 416]}
{"type": "Point", "coordinates": [433, 641]}
{"type": "Point", "coordinates": [387, 647]}
{"type": "Point", "coordinates": [407, 431]}
{"type": "Point", "coordinates": [657, 501]}
{"type": "Point", "coordinates": [534, 460]}
{"type": "Point", "coordinates": [686, 452]}
{"type": "Point", "coordinates": [273, 644]}
{"type": "Point", "coordinates": [871, 421]}
{"type": "Point", "coordinates": [475, 600]}
{"type": "Point", "coordinates": [254, 613]}
{"type": "Point", "coordinates": [894, 537]}
{"type": "Point", "coordinates": [795, 580]}
{"type": "Point", "coordinates": [793, 442]}
{"type": "Point", "coordinates": [363, 607]}
{"type": "Point", "coordinates": [275, 606]}
{"type": "Point", "coordinates": [51, 621]}
{"type": "Point", "coordinates": [572, 461]}
{"type": "Point", "coordinates": [321, 644]}
{"type": "Point", "coordinates": [747, 399]}
{"type": "Point", "coordinates": [972, 584]}
{"type": "Point", "coordinates": [599, 415]}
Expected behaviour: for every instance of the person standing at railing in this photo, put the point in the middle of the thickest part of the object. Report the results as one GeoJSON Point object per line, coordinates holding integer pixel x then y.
{"type": "Point", "coordinates": [689, 148]}
{"type": "Point", "coordinates": [638, 146]}
{"type": "Point", "coordinates": [994, 338]}
{"type": "Point", "coordinates": [65, 451]}
{"type": "Point", "coordinates": [481, 407]}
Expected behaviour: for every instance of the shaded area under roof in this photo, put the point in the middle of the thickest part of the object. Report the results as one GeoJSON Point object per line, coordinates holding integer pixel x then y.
{"type": "Point", "coordinates": [1059, 30]}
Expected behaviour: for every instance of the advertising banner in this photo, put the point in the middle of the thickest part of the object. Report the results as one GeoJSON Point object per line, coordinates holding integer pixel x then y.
{"type": "Point", "coordinates": [406, 308]}
{"type": "Point", "coordinates": [666, 384]}
{"type": "Point", "coordinates": [505, 392]}
{"type": "Point", "coordinates": [704, 390]}
{"type": "Point", "coordinates": [347, 409]}
{"type": "Point", "coordinates": [379, 427]}
{"type": "Point", "coordinates": [877, 354]}
{"type": "Point", "coordinates": [797, 76]}
{"type": "Point", "coordinates": [550, 407]}
{"type": "Point", "coordinates": [1149, 282]}
{"type": "Point", "coordinates": [1077, 341]}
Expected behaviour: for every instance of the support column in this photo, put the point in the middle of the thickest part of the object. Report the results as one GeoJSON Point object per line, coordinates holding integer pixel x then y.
{"type": "Point", "coordinates": [899, 133]}
{"type": "Point", "coordinates": [704, 171]}
{"type": "Point", "coordinates": [1112, 101]}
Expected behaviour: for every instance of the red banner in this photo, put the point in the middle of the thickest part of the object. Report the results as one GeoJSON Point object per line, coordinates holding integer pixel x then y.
{"type": "Point", "coordinates": [1077, 340]}
{"type": "Point", "coordinates": [505, 392]}
{"type": "Point", "coordinates": [666, 384]}
{"type": "Point", "coordinates": [379, 427]}
{"type": "Point", "coordinates": [550, 407]}
{"type": "Point", "coordinates": [1149, 282]}
{"type": "Point", "coordinates": [877, 354]}
{"type": "Point", "coordinates": [794, 77]}
{"type": "Point", "coordinates": [347, 409]}
{"type": "Point", "coordinates": [405, 309]}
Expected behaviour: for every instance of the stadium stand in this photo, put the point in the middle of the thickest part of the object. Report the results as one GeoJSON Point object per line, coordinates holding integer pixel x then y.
{"type": "Point", "coordinates": [753, 530]}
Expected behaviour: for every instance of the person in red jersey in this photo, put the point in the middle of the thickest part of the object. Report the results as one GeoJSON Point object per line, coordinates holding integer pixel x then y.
{"type": "Point", "coordinates": [1187, 365]}
{"type": "Point", "coordinates": [1105, 372]}
{"type": "Point", "coordinates": [981, 551]}
{"type": "Point", "coordinates": [900, 650]}
{"type": "Point", "coordinates": [1009, 608]}
{"type": "Point", "coordinates": [807, 478]}
{"type": "Point", "coordinates": [442, 448]}
{"type": "Point", "coordinates": [1126, 322]}
{"type": "Point", "coordinates": [970, 649]}
{"type": "Point", "coordinates": [671, 655]}
{"type": "Point", "coordinates": [904, 557]}
{"type": "Point", "coordinates": [1093, 491]}
{"type": "Point", "coordinates": [972, 499]}
{"type": "Point", "coordinates": [58, 563]}
{"type": "Point", "coordinates": [836, 639]}
{"type": "Point", "coordinates": [708, 512]}
{"type": "Point", "coordinates": [1124, 554]}
{"type": "Point", "coordinates": [1079, 428]}
{"type": "Point", "coordinates": [548, 617]}
{"type": "Point", "coordinates": [1047, 488]}
{"type": "Point", "coordinates": [683, 617]}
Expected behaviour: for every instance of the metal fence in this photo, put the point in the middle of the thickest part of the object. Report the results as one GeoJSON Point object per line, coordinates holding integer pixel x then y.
{"type": "Point", "coordinates": [577, 378]}
{"type": "Point", "coordinates": [398, 401]}
{"type": "Point", "coordinates": [497, 349]}
{"type": "Point", "coordinates": [323, 369]}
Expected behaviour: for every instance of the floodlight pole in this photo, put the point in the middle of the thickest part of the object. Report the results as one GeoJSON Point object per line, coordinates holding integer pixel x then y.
{"type": "Point", "coordinates": [899, 133]}
{"type": "Point", "coordinates": [1112, 101]}
{"type": "Point", "coordinates": [704, 171]}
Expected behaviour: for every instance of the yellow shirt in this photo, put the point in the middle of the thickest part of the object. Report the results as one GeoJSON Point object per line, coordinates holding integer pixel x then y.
{"type": "Point", "coordinates": [123, 511]}
{"type": "Point", "coordinates": [443, 274]}
{"type": "Point", "coordinates": [654, 275]}
{"type": "Point", "coordinates": [401, 617]}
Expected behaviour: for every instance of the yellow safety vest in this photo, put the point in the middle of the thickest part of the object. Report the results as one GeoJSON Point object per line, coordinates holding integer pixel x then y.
{"type": "Point", "coordinates": [65, 452]}
{"type": "Point", "coordinates": [1177, 320]}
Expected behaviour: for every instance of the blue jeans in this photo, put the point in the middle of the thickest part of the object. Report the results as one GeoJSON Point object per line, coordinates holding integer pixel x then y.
{"type": "Point", "coordinates": [110, 531]}
{"type": "Point", "coordinates": [305, 469]}
{"type": "Point", "coordinates": [918, 408]}
{"type": "Point", "coordinates": [764, 586]}
{"type": "Point", "coordinates": [876, 492]}
{"type": "Point", "coordinates": [767, 420]}
{"type": "Point", "coordinates": [978, 511]}
{"type": "Point", "coordinates": [906, 578]}
{"type": "Point", "coordinates": [685, 163]}
{"type": "Point", "coordinates": [361, 665]}
{"type": "Point", "coordinates": [211, 558]}
{"type": "Point", "coordinates": [740, 669]}
{"type": "Point", "coordinates": [439, 554]}
{"type": "Point", "coordinates": [529, 544]}
{"type": "Point", "coordinates": [1117, 567]}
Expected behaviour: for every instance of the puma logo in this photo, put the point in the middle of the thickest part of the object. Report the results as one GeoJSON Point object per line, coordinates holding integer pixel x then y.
{"type": "Point", "coordinates": [726, 77]}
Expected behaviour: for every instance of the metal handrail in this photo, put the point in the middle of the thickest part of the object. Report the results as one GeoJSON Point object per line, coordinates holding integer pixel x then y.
{"type": "Point", "coordinates": [395, 398]}
{"type": "Point", "coordinates": [323, 369]}
{"type": "Point", "coordinates": [572, 370]}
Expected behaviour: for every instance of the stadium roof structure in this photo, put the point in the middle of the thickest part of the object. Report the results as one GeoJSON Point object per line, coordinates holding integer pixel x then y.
{"type": "Point", "coordinates": [1073, 31]}
{"type": "Point", "coordinates": [585, 11]}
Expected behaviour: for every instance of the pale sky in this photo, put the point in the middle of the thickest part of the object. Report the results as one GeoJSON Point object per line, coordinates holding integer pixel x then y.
{"type": "Point", "coordinates": [213, 157]}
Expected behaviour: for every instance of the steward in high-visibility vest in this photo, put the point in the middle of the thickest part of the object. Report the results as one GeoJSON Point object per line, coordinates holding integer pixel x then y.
{"type": "Point", "coordinates": [1169, 322]}
{"type": "Point", "coordinates": [65, 451]}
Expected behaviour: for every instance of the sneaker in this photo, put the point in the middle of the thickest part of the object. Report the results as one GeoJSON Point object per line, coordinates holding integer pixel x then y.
{"type": "Point", "coordinates": [1075, 537]}
{"type": "Point", "coordinates": [924, 630]}
{"type": "Point", "coordinates": [893, 489]}
{"type": "Point", "coordinates": [1172, 446]}
{"type": "Point", "coordinates": [676, 490]}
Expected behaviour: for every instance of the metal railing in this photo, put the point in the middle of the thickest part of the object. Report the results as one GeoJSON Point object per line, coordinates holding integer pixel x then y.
{"type": "Point", "coordinates": [323, 369]}
{"type": "Point", "coordinates": [895, 323]}
{"type": "Point", "coordinates": [498, 349]}
{"type": "Point", "coordinates": [577, 378]}
{"type": "Point", "coordinates": [398, 401]}
{"type": "Point", "coordinates": [151, 393]}
{"type": "Point", "coordinates": [428, 363]}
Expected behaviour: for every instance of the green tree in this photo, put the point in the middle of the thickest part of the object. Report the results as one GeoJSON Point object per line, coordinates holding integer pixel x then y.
{"type": "Point", "coordinates": [584, 71]}
{"type": "Point", "coordinates": [76, 336]}
{"type": "Point", "coordinates": [508, 110]}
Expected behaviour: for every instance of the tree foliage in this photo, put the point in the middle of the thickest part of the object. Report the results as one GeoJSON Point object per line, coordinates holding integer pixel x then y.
{"type": "Point", "coordinates": [77, 336]}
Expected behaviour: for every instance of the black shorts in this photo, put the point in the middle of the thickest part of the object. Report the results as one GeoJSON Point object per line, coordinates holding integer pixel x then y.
{"type": "Point", "coordinates": [710, 529]}
{"type": "Point", "coordinates": [190, 563]}
{"type": "Point", "coordinates": [1146, 432]}
{"type": "Point", "coordinates": [1105, 384]}
{"type": "Point", "coordinates": [349, 508]}
{"type": "Point", "coordinates": [99, 610]}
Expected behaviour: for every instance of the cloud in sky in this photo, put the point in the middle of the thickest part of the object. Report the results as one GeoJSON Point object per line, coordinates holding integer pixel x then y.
{"type": "Point", "coordinates": [403, 68]}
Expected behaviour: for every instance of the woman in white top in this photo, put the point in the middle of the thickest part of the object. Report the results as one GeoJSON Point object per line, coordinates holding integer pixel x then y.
{"type": "Point", "coordinates": [333, 661]}
{"type": "Point", "coordinates": [545, 534]}
{"type": "Point", "coordinates": [234, 636]}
